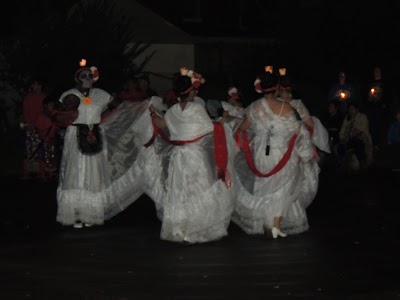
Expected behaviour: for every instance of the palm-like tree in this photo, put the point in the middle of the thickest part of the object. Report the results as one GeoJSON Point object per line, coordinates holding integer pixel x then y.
{"type": "Point", "coordinates": [50, 38]}
{"type": "Point", "coordinates": [105, 33]}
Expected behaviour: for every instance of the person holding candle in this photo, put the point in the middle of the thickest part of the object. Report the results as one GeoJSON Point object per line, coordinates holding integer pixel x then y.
{"type": "Point", "coordinates": [32, 108]}
{"type": "Point", "coordinates": [376, 108]}
{"type": "Point", "coordinates": [356, 140]}
{"type": "Point", "coordinates": [342, 91]}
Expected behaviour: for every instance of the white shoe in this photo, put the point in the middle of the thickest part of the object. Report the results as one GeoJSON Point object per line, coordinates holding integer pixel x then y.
{"type": "Point", "coordinates": [276, 232]}
{"type": "Point", "coordinates": [78, 225]}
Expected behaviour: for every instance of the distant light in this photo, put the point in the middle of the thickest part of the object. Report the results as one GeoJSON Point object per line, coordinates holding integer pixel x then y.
{"type": "Point", "coordinates": [372, 91]}
{"type": "Point", "coordinates": [268, 69]}
{"type": "Point", "coordinates": [82, 63]}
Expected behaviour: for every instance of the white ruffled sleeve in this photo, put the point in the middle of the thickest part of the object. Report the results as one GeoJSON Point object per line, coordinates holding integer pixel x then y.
{"type": "Point", "coordinates": [320, 137]}
{"type": "Point", "coordinates": [303, 145]}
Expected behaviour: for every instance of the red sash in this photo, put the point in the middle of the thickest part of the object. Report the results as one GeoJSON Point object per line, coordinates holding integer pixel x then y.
{"type": "Point", "coordinates": [238, 140]}
{"type": "Point", "coordinates": [165, 137]}
{"type": "Point", "coordinates": [221, 154]}
{"type": "Point", "coordinates": [220, 148]}
{"type": "Point", "coordinates": [155, 133]}
{"type": "Point", "coordinates": [250, 161]}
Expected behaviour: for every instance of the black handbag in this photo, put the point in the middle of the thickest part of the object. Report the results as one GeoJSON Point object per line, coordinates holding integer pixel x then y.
{"type": "Point", "coordinates": [89, 139]}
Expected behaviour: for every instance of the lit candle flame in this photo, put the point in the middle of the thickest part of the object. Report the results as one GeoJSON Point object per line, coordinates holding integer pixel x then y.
{"type": "Point", "coordinates": [82, 63]}
{"type": "Point", "coordinates": [282, 71]}
{"type": "Point", "coordinates": [342, 95]}
{"type": "Point", "coordinates": [268, 69]}
{"type": "Point", "coordinates": [372, 91]}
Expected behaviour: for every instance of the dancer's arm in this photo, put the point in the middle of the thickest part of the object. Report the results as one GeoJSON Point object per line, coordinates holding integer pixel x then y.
{"type": "Point", "coordinates": [159, 120]}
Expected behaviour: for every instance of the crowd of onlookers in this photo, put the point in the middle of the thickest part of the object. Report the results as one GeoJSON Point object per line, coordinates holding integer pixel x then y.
{"type": "Point", "coordinates": [362, 125]}
{"type": "Point", "coordinates": [44, 137]}
{"type": "Point", "coordinates": [359, 126]}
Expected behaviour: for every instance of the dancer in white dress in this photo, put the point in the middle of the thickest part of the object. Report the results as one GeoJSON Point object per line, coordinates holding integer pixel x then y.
{"type": "Point", "coordinates": [269, 174]}
{"type": "Point", "coordinates": [232, 116]}
{"type": "Point", "coordinates": [198, 202]}
{"type": "Point", "coordinates": [296, 220]}
{"type": "Point", "coordinates": [233, 109]}
{"type": "Point", "coordinates": [84, 172]}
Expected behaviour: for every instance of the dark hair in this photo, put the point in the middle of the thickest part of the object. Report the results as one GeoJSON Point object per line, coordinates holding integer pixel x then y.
{"type": "Point", "coordinates": [269, 80]}
{"type": "Point", "coordinates": [70, 101]}
{"type": "Point", "coordinates": [354, 104]}
{"type": "Point", "coordinates": [131, 78]}
{"type": "Point", "coordinates": [40, 81]}
{"type": "Point", "coordinates": [335, 103]}
{"type": "Point", "coordinates": [144, 77]}
{"type": "Point", "coordinates": [285, 81]}
{"type": "Point", "coordinates": [181, 84]}
{"type": "Point", "coordinates": [48, 100]}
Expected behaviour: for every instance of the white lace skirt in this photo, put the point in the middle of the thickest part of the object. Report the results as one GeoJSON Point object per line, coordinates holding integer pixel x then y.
{"type": "Point", "coordinates": [95, 188]}
{"type": "Point", "coordinates": [295, 220]}
{"type": "Point", "coordinates": [82, 181]}
{"type": "Point", "coordinates": [197, 206]}
{"type": "Point", "coordinates": [285, 194]}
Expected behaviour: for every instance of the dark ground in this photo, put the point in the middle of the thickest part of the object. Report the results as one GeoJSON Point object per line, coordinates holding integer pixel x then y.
{"type": "Point", "coordinates": [350, 252]}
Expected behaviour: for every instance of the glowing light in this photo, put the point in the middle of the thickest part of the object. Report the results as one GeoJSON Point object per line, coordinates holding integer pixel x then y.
{"type": "Point", "coordinates": [82, 63]}
{"type": "Point", "coordinates": [268, 69]}
{"type": "Point", "coordinates": [372, 91]}
{"type": "Point", "coordinates": [184, 71]}
{"type": "Point", "coordinates": [87, 101]}
{"type": "Point", "coordinates": [343, 95]}
{"type": "Point", "coordinates": [282, 71]}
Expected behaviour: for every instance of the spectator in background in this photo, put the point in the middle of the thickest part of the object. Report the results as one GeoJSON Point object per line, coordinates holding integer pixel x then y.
{"type": "Point", "coordinates": [343, 92]}
{"type": "Point", "coordinates": [393, 135]}
{"type": "Point", "coordinates": [333, 122]}
{"type": "Point", "coordinates": [47, 130]}
{"type": "Point", "coordinates": [131, 91]}
{"type": "Point", "coordinates": [356, 139]}
{"type": "Point", "coordinates": [144, 86]}
{"type": "Point", "coordinates": [375, 108]}
{"type": "Point", "coordinates": [32, 108]}
{"type": "Point", "coordinates": [390, 153]}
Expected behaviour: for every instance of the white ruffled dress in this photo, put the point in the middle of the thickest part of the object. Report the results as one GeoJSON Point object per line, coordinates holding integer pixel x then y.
{"type": "Point", "coordinates": [288, 192]}
{"type": "Point", "coordinates": [83, 178]}
{"type": "Point", "coordinates": [196, 206]}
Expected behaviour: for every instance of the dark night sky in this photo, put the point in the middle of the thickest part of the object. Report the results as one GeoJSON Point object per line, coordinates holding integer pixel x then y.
{"type": "Point", "coordinates": [292, 19]}
{"type": "Point", "coordinates": [339, 27]}
{"type": "Point", "coordinates": [349, 34]}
